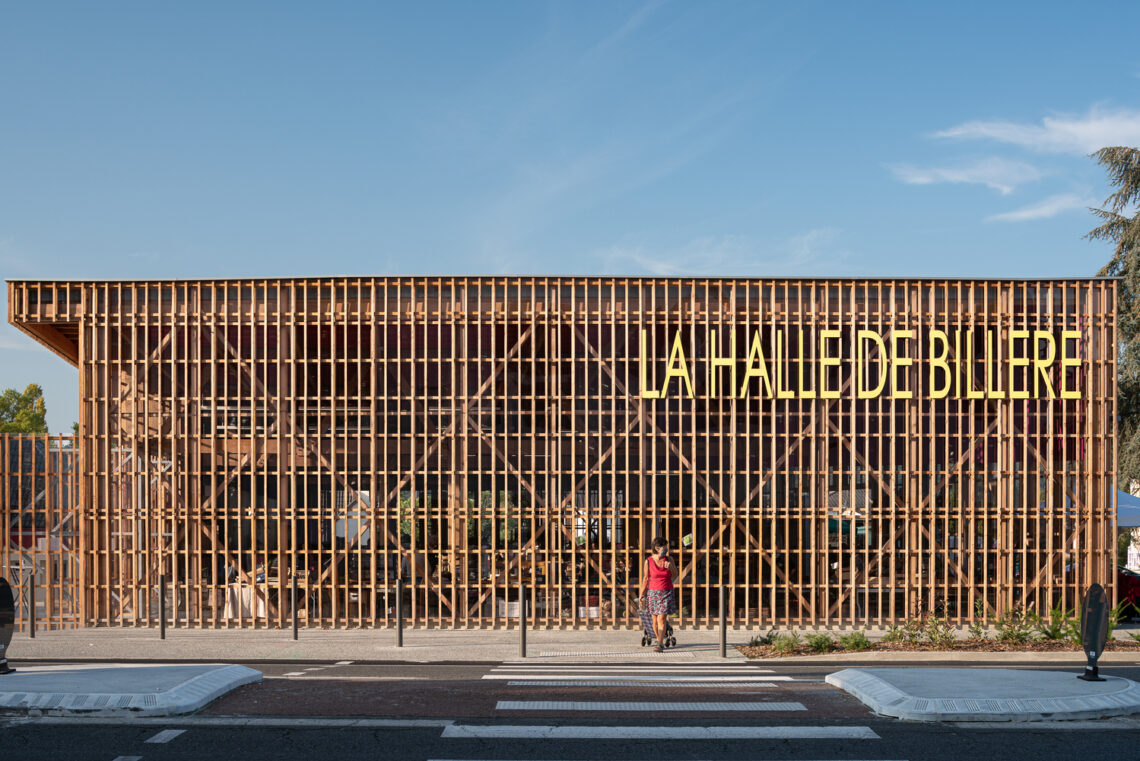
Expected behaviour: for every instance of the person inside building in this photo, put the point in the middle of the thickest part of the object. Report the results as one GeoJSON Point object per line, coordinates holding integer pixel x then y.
{"type": "Point", "coordinates": [657, 581]}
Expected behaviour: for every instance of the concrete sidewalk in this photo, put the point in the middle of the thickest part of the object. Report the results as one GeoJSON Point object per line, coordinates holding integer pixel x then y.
{"type": "Point", "coordinates": [443, 645]}
{"type": "Point", "coordinates": [422, 646]}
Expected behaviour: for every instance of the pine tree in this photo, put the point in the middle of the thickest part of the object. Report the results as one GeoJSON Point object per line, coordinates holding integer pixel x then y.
{"type": "Point", "coordinates": [1123, 167]}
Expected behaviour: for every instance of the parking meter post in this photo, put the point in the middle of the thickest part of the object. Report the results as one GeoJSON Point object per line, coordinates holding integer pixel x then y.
{"type": "Point", "coordinates": [293, 605]}
{"type": "Point", "coordinates": [723, 627]}
{"type": "Point", "coordinates": [162, 606]}
{"type": "Point", "coordinates": [399, 612]}
{"type": "Point", "coordinates": [31, 604]}
{"type": "Point", "coordinates": [522, 620]}
{"type": "Point", "coordinates": [7, 624]}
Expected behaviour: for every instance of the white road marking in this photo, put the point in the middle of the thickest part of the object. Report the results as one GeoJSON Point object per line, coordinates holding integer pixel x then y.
{"type": "Point", "coordinates": [294, 673]}
{"type": "Point", "coordinates": [166, 735]}
{"type": "Point", "coordinates": [646, 678]}
{"type": "Point", "coordinates": [343, 663]}
{"type": "Point", "coordinates": [573, 705]}
{"type": "Point", "coordinates": [506, 731]}
{"type": "Point", "coordinates": [128, 758]}
{"type": "Point", "coordinates": [628, 683]}
{"type": "Point", "coordinates": [235, 721]}
{"type": "Point", "coordinates": [618, 673]}
{"type": "Point", "coordinates": [334, 678]}
{"type": "Point", "coordinates": [318, 668]}
{"type": "Point", "coordinates": [678, 669]}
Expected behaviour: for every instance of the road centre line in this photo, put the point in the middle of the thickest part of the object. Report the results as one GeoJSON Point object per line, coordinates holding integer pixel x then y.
{"type": "Point", "coordinates": [604, 705]}
{"type": "Point", "coordinates": [236, 721]}
{"type": "Point", "coordinates": [630, 683]}
{"type": "Point", "coordinates": [568, 732]}
{"type": "Point", "coordinates": [647, 677]}
{"type": "Point", "coordinates": [166, 735]}
{"type": "Point", "coordinates": [680, 667]}
{"type": "Point", "coordinates": [633, 669]}
{"type": "Point", "coordinates": [128, 758]}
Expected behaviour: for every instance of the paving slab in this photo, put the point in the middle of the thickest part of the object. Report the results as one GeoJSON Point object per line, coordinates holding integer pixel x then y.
{"type": "Point", "coordinates": [987, 694]}
{"type": "Point", "coordinates": [119, 689]}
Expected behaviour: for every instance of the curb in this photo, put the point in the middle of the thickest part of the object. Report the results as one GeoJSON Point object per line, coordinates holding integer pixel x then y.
{"type": "Point", "coordinates": [1121, 697]}
{"type": "Point", "coordinates": [186, 697]}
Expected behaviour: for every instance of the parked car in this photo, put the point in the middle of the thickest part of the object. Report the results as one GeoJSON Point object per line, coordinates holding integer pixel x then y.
{"type": "Point", "coordinates": [1128, 587]}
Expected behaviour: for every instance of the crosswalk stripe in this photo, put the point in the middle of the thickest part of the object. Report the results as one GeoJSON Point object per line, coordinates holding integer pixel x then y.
{"type": "Point", "coordinates": [679, 668]}
{"type": "Point", "coordinates": [645, 678]}
{"type": "Point", "coordinates": [166, 735]}
{"type": "Point", "coordinates": [602, 705]}
{"type": "Point", "coordinates": [620, 672]}
{"type": "Point", "coordinates": [628, 683]}
{"type": "Point", "coordinates": [567, 732]}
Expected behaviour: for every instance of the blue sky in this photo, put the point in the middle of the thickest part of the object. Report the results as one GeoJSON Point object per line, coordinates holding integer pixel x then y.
{"type": "Point", "coordinates": [157, 140]}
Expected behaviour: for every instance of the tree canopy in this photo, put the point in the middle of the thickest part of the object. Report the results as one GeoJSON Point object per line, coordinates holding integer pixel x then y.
{"type": "Point", "coordinates": [1123, 167]}
{"type": "Point", "coordinates": [23, 413]}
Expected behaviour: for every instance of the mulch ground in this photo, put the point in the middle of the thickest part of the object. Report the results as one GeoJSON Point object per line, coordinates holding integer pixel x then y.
{"type": "Point", "coordinates": [974, 645]}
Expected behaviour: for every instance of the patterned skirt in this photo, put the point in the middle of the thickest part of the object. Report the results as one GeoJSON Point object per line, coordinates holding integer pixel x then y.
{"type": "Point", "coordinates": [660, 602]}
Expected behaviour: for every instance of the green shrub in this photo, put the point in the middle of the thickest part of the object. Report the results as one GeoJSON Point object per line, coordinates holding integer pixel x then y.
{"type": "Point", "coordinates": [1014, 627]}
{"type": "Point", "coordinates": [759, 640]}
{"type": "Point", "coordinates": [855, 641]}
{"type": "Point", "coordinates": [913, 632]}
{"type": "Point", "coordinates": [1135, 636]}
{"type": "Point", "coordinates": [939, 633]}
{"type": "Point", "coordinates": [1053, 627]}
{"type": "Point", "coordinates": [978, 631]}
{"type": "Point", "coordinates": [894, 634]}
{"type": "Point", "coordinates": [820, 642]}
{"type": "Point", "coordinates": [786, 643]}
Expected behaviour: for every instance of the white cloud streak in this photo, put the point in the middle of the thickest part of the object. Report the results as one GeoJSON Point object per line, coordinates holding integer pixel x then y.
{"type": "Point", "coordinates": [1044, 209]}
{"type": "Point", "coordinates": [1099, 128]}
{"type": "Point", "coordinates": [816, 252]}
{"type": "Point", "coordinates": [994, 172]}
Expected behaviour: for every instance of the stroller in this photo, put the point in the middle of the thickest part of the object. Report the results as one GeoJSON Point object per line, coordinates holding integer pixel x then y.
{"type": "Point", "coordinates": [647, 636]}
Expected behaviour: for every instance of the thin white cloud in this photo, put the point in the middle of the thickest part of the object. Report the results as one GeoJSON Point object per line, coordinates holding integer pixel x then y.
{"type": "Point", "coordinates": [1049, 207]}
{"type": "Point", "coordinates": [1098, 128]}
{"type": "Point", "coordinates": [816, 252]}
{"type": "Point", "coordinates": [994, 172]}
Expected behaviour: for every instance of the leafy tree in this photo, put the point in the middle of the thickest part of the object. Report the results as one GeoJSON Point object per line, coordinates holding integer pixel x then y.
{"type": "Point", "coordinates": [1123, 167]}
{"type": "Point", "coordinates": [23, 413]}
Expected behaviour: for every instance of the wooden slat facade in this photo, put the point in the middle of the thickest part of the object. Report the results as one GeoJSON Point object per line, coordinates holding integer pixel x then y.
{"type": "Point", "coordinates": [470, 434]}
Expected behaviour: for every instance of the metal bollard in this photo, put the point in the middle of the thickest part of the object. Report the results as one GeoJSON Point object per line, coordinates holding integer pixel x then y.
{"type": "Point", "coordinates": [32, 605]}
{"type": "Point", "coordinates": [522, 620]}
{"type": "Point", "coordinates": [294, 606]}
{"type": "Point", "coordinates": [723, 626]}
{"type": "Point", "coordinates": [162, 606]}
{"type": "Point", "coordinates": [399, 612]}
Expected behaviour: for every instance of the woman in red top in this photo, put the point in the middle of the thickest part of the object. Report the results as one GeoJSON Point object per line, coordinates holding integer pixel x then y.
{"type": "Point", "coordinates": [657, 579]}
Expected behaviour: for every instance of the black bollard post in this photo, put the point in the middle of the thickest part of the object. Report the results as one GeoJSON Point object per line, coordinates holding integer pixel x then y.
{"type": "Point", "coordinates": [32, 605]}
{"type": "Point", "coordinates": [723, 626]}
{"type": "Point", "coordinates": [162, 606]}
{"type": "Point", "coordinates": [399, 612]}
{"type": "Point", "coordinates": [522, 620]}
{"type": "Point", "coordinates": [294, 606]}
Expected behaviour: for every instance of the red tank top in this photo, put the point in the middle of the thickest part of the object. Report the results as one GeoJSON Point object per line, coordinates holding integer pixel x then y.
{"type": "Point", "coordinates": [659, 578]}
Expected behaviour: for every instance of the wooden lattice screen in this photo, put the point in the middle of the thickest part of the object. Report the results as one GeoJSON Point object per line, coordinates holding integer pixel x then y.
{"type": "Point", "coordinates": [473, 434]}
{"type": "Point", "coordinates": [39, 521]}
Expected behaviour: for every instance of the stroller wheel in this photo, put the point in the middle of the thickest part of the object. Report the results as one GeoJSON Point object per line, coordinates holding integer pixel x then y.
{"type": "Point", "coordinates": [670, 642]}
{"type": "Point", "coordinates": [644, 640]}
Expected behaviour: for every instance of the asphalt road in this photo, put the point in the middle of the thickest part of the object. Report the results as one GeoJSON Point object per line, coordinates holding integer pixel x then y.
{"type": "Point", "coordinates": [489, 711]}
